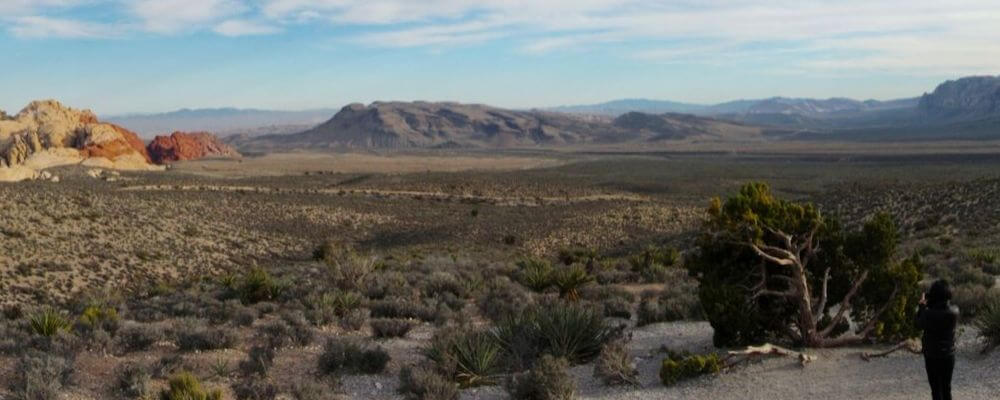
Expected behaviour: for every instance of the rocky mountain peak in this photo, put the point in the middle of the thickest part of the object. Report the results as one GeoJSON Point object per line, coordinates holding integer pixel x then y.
{"type": "Point", "coordinates": [969, 98]}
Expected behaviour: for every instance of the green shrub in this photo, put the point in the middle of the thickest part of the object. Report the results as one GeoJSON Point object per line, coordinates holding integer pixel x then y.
{"type": "Point", "coordinates": [48, 322]}
{"type": "Point", "coordinates": [322, 309]}
{"type": "Point", "coordinates": [132, 381]}
{"type": "Point", "coordinates": [257, 285]}
{"type": "Point", "coordinates": [100, 318]}
{"type": "Point", "coordinates": [346, 356]}
{"type": "Point", "coordinates": [535, 274]}
{"type": "Point", "coordinates": [570, 279]}
{"type": "Point", "coordinates": [470, 358]}
{"type": "Point", "coordinates": [988, 324]}
{"type": "Point", "coordinates": [390, 328]}
{"type": "Point", "coordinates": [651, 264]}
{"type": "Point", "coordinates": [185, 386]}
{"type": "Point", "coordinates": [675, 369]}
{"type": "Point", "coordinates": [547, 380]}
{"type": "Point", "coordinates": [614, 366]}
{"type": "Point", "coordinates": [425, 384]}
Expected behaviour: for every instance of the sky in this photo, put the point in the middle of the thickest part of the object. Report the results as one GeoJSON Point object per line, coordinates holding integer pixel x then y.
{"type": "Point", "coordinates": [128, 56]}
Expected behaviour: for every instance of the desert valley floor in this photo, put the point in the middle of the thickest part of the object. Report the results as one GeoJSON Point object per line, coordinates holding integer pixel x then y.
{"type": "Point", "coordinates": [156, 244]}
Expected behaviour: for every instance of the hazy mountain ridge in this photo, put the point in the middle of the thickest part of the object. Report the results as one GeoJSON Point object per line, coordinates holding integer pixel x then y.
{"type": "Point", "coordinates": [223, 121]}
{"type": "Point", "coordinates": [451, 125]}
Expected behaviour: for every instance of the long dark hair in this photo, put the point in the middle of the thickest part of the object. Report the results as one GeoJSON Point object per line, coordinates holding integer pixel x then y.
{"type": "Point", "coordinates": [940, 292]}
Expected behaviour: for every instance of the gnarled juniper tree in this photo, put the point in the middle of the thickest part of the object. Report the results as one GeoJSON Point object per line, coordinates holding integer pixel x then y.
{"type": "Point", "coordinates": [770, 268]}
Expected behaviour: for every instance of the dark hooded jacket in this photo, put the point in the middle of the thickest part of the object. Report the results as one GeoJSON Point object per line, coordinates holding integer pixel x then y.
{"type": "Point", "coordinates": [938, 321]}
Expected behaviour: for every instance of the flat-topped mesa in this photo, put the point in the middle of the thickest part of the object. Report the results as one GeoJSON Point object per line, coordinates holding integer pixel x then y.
{"type": "Point", "coordinates": [180, 146]}
{"type": "Point", "coordinates": [47, 134]}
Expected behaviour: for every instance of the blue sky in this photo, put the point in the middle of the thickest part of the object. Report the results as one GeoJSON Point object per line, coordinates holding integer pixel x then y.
{"type": "Point", "coordinates": [121, 56]}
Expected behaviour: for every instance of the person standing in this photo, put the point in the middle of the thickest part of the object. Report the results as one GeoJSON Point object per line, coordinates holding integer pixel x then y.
{"type": "Point", "coordinates": [938, 319]}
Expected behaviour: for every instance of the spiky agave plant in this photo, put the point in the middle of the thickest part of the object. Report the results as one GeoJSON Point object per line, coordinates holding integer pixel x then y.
{"type": "Point", "coordinates": [473, 358]}
{"type": "Point", "coordinates": [48, 322]}
{"type": "Point", "coordinates": [560, 329]}
{"type": "Point", "coordinates": [988, 324]}
{"type": "Point", "coordinates": [536, 275]}
{"type": "Point", "coordinates": [570, 279]}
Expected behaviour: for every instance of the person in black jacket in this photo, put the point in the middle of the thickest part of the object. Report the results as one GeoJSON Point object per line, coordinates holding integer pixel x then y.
{"type": "Point", "coordinates": [938, 319]}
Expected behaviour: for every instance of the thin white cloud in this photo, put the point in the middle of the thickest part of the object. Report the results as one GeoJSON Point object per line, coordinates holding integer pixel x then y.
{"type": "Point", "coordinates": [173, 16]}
{"type": "Point", "coordinates": [43, 27]}
{"type": "Point", "coordinates": [910, 35]}
{"type": "Point", "coordinates": [235, 27]}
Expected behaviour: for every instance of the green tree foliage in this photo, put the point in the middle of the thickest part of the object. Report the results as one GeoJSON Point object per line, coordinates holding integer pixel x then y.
{"type": "Point", "coordinates": [772, 268]}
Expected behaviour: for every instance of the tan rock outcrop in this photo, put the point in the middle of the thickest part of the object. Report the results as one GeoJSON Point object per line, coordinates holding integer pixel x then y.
{"type": "Point", "coordinates": [47, 134]}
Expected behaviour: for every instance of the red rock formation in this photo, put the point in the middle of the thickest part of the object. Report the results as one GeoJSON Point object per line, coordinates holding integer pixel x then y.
{"type": "Point", "coordinates": [130, 142]}
{"type": "Point", "coordinates": [188, 146]}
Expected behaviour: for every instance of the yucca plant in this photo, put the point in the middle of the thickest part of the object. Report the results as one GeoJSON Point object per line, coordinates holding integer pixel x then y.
{"type": "Point", "coordinates": [48, 322]}
{"type": "Point", "coordinates": [570, 279]}
{"type": "Point", "coordinates": [471, 358]}
{"type": "Point", "coordinates": [535, 274]}
{"type": "Point", "coordinates": [564, 330]}
{"type": "Point", "coordinates": [988, 324]}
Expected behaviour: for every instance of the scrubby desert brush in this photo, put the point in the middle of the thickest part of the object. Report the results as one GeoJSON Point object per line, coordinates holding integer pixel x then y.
{"type": "Point", "coordinates": [196, 335]}
{"type": "Point", "coordinates": [547, 380]}
{"type": "Point", "coordinates": [346, 356]}
{"type": "Point", "coordinates": [469, 357]}
{"type": "Point", "coordinates": [40, 376]}
{"type": "Point", "coordinates": [131, 381]}
{"type": "Point", "coordinates": [254, 389]}
{"type": "Point", "coordinates": [988, 324]}
{"type": "Point", "coordinates": [351, 270]}
{"type": "Point", "coordinates": [185, 386]}
{"type": "Point", "coordinates": [615, 366]}
{"type": "Point", "coordinates": [416, 383]}
{"type": "Point", "coordinates": [137, 337]}
{"type": "Point", "coordinates": [390, 328]}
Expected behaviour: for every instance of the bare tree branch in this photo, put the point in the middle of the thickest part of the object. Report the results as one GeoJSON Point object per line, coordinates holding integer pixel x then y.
{"type": "Point", "coordinates": [845, 304]}
{"type": "Point", "coordinates": [821, 305]}
{"type": "Point", "coordinates": [780, 261]}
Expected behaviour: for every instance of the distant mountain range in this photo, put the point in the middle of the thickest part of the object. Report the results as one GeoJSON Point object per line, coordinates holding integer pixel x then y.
{"type": "Point", "coordinates": [223, 121]}
{"type": "Point", "coordinates": [744, 109]}
{"type": "Point", "coordinates": [967, 108]}
{"type": "Point", "coordinates": [453, 125]}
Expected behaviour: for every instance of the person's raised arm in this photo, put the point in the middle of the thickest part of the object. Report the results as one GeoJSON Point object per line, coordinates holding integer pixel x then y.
{"type": "Point", "coordinates": [921, 315]}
